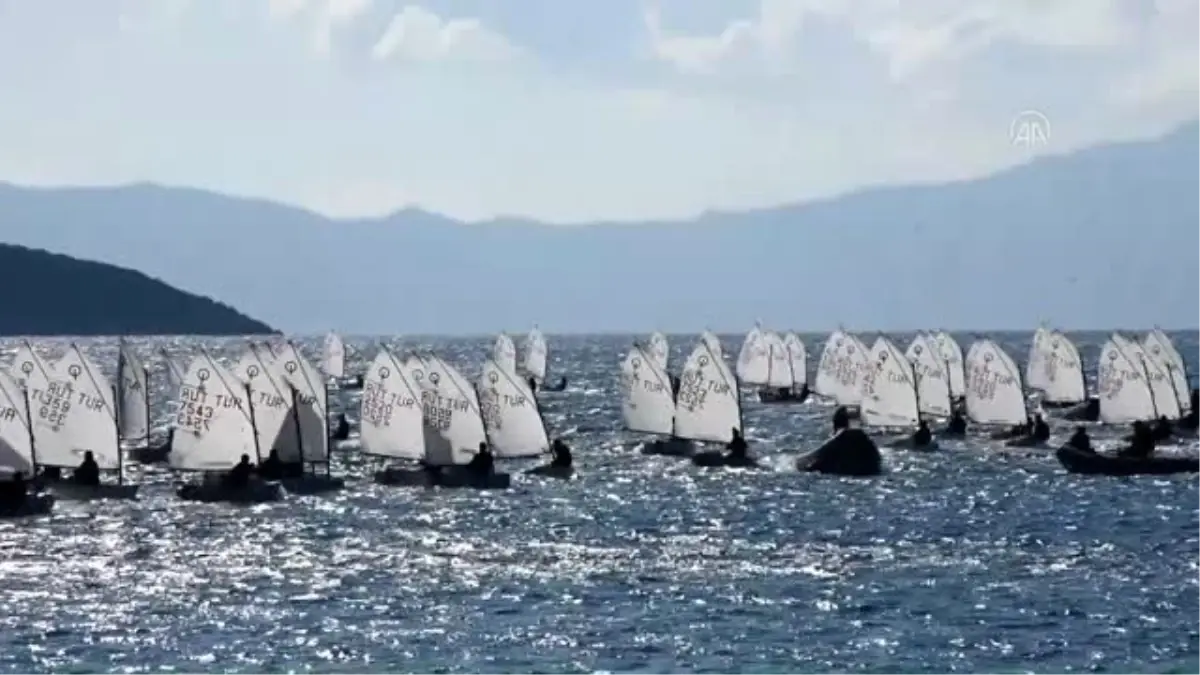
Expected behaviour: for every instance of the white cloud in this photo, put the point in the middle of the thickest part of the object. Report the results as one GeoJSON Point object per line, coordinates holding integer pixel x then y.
{"type": "Point", "coordinates": [416, 34]}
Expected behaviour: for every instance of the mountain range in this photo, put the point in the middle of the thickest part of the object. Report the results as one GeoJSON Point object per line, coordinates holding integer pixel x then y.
{"type": "Point", "coordinates": [1102, 237]}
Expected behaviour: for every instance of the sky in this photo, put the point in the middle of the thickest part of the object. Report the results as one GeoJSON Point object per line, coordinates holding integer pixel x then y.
{"type": "Point", "coordinates": [575, 111]}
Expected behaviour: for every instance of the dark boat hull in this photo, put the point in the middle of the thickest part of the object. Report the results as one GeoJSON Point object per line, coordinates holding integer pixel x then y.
{"type": "Point", "coordinates": [715, 458]}
{"type": "Point", "coordinates": [34, 505]}
{"type": "Point", "coordinates": [448, 477]}
{"type": "Point", "coordinates": [552, 471]}
{"type": "Point", "coordinates": [71, 490]}
{"type": "Point", "coordinates": [255, 492]}
{"type": "Point", "coordinates": [671, 447]}
{"type": "Point", "coordinates": [1078, 461]}
{"type": "Point", "coordinates": [850, 453]}
{"type": "Point", "coordinates": [312, 484]}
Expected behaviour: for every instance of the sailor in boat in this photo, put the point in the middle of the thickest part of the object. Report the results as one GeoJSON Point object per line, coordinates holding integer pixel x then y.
{"type": "Point", "coordinates": [88, 471]}
{"type": "Point", "coordinates": [560, 454]}
{"type": "Point", "coordinates": [841, 419]}
{"type": "Point", "coordinates": [922, 436]}
{"type": "Point", "coordinates": [737, 448]}
{"type": "Point", "coordinates": [483, 463]}
{"type": "Point", "coordinates": [239, 476]}
{"type": "Point", "coordinates": [1041, 430]}
{"type": "Point", "coordinates": [342, 431]}
{"type": "Point", "coordinates": [1190, 420]}
{"type": "Point", "coordinates": [1163, 429]}
{"type": "Point", "coordinates": [957, 425]}
{"type": "Point", "coordinates": [675, 383]}
{"type": "Point", "coordinates": [1080, 440]}
{"type": "Point", "coordinates": [1142, 444]}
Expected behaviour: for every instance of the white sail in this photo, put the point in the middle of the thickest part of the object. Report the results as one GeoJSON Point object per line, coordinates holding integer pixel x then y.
{"type": "Point", "coordinates": [504, 351]}
{"type": "Point", "coordinates": [952, 354]}
{"type": "Point", "coordinates": [511, 419]}
{"type": "Point", "coordinates": [659, 350]}
{"type": "Point", "coordinates": [451, 408]}
{"type": "Point", "coordinates": [300, 374]}
{"type": "Point", "coordinates": [213, 428]}
{"type": "Point", "coordinates": [26, 363]}
{"type": "Point", "coordinates": [133, 396]}
{"type": "Point", "coordinates": [843, 361]}
{"type": "Point", "coordinates": [994, 394]}
{"type": "Point", "coordinates": [72, 409]}
{"type": "Point", "coordinates": [271, 401]}
{"type": "Point", "coordinates": [1035, 368]}
{"type": "Point", "coordinates": [797, 356]}
{"type": "Point", "coordinates": [16, 444]}
{"type": "Point", "coordinates": [1061, 374]}
{"type": "Point", "coordinates": [708, 406]}
{"type": "Point", "coordinates": [779, 373]}
{"type": "Point", "coordinates": [1165, 399]}
{"type": "Point", "coordinates": [754, 358]}
{"type": "Point", "coordinates": [1124, 393]}
{"type": "Point", "coordinates": [646, 402]}
{"type": "Point", "coordinates": [333, 358]}
{"type": "Point", "coordinates": [390, 410]}
{"type": "Point", "coordinates": [933, 385]}
{"type": "Point", "coordinates": [889, 395]}
{"type": "Point", "coordinates": [535, 355]}
{"type": "Point", "coordinates": [714, 343]}
{"type": "Point", "coordinates": [1159, 346]}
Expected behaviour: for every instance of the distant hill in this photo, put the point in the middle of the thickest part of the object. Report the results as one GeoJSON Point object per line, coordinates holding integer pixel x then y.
{"type": "Point", "coordinates": [52, 294]}
{"type": "Point", "coordinates": [1101, 237]}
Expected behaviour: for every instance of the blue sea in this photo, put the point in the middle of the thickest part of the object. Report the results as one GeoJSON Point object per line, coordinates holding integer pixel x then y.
{"type": "Point", "coordinates": [966, 560]}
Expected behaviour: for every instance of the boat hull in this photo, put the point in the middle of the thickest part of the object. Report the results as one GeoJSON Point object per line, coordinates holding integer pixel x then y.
{"type": "Point", "coordinates": [34, 505]}
{"type": "Point", "coordinates": [1078, 461]}
{"type": "Point", "coordinates": [850, 453]}
{"type": "Point", "coordinates": [255, 492]}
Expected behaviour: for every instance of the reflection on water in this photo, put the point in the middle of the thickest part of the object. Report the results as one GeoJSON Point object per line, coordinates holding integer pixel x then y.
{"type": "Point", "coordinates": [963, 560]}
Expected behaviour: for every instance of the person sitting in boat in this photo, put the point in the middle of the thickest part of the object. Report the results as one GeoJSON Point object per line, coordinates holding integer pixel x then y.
{"type": "Point", "coordinates": [1040, 431]}
{"type": "Point", "coordinates": [342, 431]}
{"type": "Point", "coordinates": [1142, 444]}
{"type": "Point", "coordinates": [483, 462]}
{"type": "Point", "coordinates": [957, 425]}
{"type": "Point", "coordinates": [1192, 419]}
{"type": "Point", "coordinates": [675, 384]}
{"type": "Point", "coordinates": [841, 419]}
{"type": "Point", "coordinates": [560, 454]}
{"type": "Point", "coordinates": [922, 436]}
{"type": "Point", "coordinates": [271, 468]}
{"type": "Point", "coordinates": [532, 382]}
{"type": "Point", "coordinates": [1163, 429]}
{"type": "Point", "coordinates": [1080, 440]}
{"type": "Point", "coordinates": [737, 447]}
{"type": "Point", "coordinates": [88, 471]}
{"type": "Point", "coordinates": [239, 476]}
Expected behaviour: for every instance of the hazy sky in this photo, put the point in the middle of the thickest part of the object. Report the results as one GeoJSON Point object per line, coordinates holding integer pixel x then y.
{"type": "Point", "coordinates": [570, 110]}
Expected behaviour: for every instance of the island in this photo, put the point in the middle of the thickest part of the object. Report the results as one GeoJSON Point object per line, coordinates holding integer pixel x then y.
{"type": "Point", "coordinates": [53, 294]}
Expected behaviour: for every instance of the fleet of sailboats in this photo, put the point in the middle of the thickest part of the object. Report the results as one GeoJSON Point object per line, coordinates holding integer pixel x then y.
{"type": "Point", "coordinates": [427, 421]}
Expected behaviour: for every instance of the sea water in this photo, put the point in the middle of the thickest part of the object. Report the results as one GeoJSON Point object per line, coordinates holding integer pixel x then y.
{"type": "Point", "coordinates": [967, 559]}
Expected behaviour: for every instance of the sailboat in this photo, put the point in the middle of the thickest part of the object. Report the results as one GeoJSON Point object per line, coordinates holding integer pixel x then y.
{"type": "Point", "coordinates": [504, 351]}
{"type": "Point", "coordinates": [393, 423]}
{"type": "Point", "coordinates": [1128, 386]}
{"type": "Point", "coordinates": [647, 402]}
{"type": "Point", "coordinates": [534, 364]}
{"type": "Point", "coordinates": [333, 363]}
{"type": "Point", "coordinates": [73, 412]}
{"type": "Point", "coordinates": [708, 408]}
{"type": "Point", "coordinates": [1162, 351]}
{"type": "Point", "coordinates": [933, 379]}
{"type": "Point", "coordinates": [512, 419]}
{"type": "Point", "coordinates": [214, 429]}
{"type": "Point", "coordinates": [309, 411]}
{"type": "Point", "coordinates": [1056, 371]}
{"type": "Point", "coordinates": [843, 362]}
{"type": "Point", "coordinates": [451, 409]}
{"type": "Point", "coordinates": [17, 448]}
{"type": "Point", "coordinates": [890, 398]}
{"type": "Point", "coordinates": [952, 354]}
{"type": "Point", "coordinates": [994, 395]}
